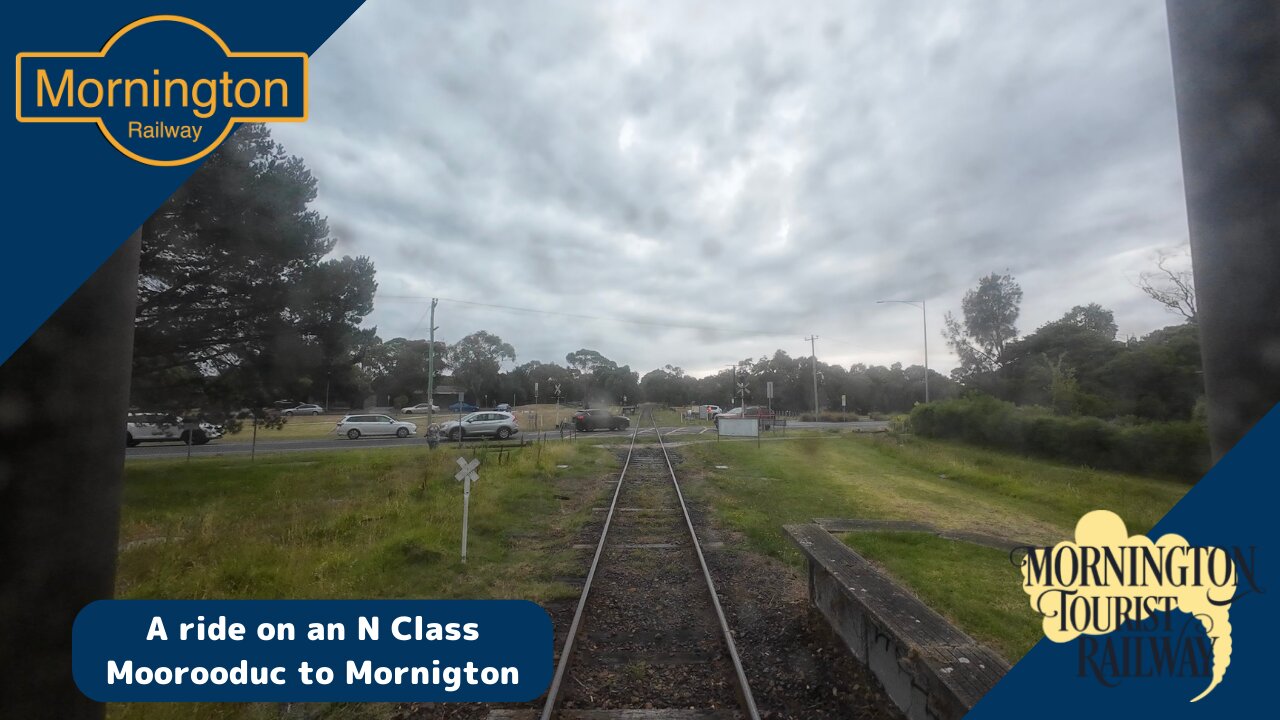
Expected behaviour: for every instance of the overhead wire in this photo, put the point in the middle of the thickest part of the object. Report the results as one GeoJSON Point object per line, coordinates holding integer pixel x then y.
{"type": "Point", "coordinates": [583, 316]}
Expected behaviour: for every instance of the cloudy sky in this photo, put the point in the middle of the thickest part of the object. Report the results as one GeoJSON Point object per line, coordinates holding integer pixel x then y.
{"type": "Point", "coordinates": [733, 176]}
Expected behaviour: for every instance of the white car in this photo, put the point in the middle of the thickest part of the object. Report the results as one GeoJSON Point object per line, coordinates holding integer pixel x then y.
{"type": "Point", "coordinates": [420, 408]}
{"type": "Point", "coordinates": [304, 409]}
{"type": "Point", "coordinates": [501, 425]}
{"type": "Point", "coordinates": [358, 426]}
{"type": "Point", "coordinates": [140, 427]}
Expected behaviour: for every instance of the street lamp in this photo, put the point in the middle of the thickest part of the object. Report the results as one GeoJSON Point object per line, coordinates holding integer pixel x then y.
{"type": "Point", "coordinates": [924, 317]}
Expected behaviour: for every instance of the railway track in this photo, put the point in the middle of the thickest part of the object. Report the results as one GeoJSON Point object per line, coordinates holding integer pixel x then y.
{"type": "Point", "coordinates": [649, 638]}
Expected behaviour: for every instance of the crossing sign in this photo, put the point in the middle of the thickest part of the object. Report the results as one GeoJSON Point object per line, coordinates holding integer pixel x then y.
{"type": "Point", "coordinates": [467, 470]}
{"type": "Point", "coordinates": [466, 475]}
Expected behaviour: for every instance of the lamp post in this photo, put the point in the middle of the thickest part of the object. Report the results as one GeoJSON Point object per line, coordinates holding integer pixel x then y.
{"type": "Point", "coordinates": [813, 363]}
{"type": "Point", "coordinates": [924, 318]}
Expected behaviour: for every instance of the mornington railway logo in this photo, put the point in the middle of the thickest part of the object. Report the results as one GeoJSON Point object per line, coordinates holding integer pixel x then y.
{"type": "Point", "coordinates": [164, 90]}
{"type": "Point", "coordinates": [1122, 596]}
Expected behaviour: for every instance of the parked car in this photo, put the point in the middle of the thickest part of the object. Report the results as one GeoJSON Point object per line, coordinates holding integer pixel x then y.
{"type": "Point", "coordinates": [504, 407]}
{"type": "Point", "coordinates": [304, 409]}
{"type": "Point", "coordinates": [599, 419]}
{"type": "Point", "coordinates": [763, 414]}
{"type": "Point", "coordinates": [140, 427]}
{"type": "Point", "coordinates": [501, 425]}
{"type": "Point", "coordinates": [358, 426]}
{"type": "Point", "coordinates": [709, 412]}
{"type": "Point", "coordinates": [420, 408]}
{"type": "Point", "coordinates": [463, 407]}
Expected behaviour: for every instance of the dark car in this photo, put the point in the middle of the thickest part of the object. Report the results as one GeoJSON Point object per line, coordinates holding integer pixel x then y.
{"type": "Point", "coordinates": [588, 420]}
{"type": "Point", "coordinates": [463, 407]}
{"type": "Point", "coordinates": [763, 414]}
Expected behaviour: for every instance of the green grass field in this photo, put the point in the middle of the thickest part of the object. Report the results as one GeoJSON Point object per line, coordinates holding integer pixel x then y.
{"type": "Point", "coordinates": [977, 587]}
{"type": "Point", "coordinates": [386, 523]}
{"type": "Point", "coordinates": [951, 486]}
{"type": "Point", "coordinates": [382, 523]}
{"type": "Point", "coordinates": [367, 523]}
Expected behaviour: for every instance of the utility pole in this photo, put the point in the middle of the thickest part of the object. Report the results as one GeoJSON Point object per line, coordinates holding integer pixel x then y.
{"type": "Point", "coordinates": [431, 365]}
{"type": "Point", "coordinates": [733, 381]}
{"type": "Point", "coordinates": [813, 363]}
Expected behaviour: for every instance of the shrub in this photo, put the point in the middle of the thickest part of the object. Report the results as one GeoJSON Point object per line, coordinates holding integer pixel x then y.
{"type": "Point", "coordinates": [1176, 449]}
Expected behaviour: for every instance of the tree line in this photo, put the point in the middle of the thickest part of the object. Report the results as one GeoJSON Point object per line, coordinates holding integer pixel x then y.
{"type": "Point", "coordinates": [1076, 364]}
{"type": "Point", "coordinates": [241, 303]}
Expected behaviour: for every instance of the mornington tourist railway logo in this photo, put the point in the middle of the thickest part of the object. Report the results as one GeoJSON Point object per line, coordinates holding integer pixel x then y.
{"type": "Point", "coordinates": [1120, 595]}
{"type": "Point", "coordinates": [164, 90]}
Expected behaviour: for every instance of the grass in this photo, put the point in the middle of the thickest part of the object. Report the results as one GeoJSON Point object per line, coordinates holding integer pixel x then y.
{"type": "Point", "coordinates": [360, 524]}
{"type": "Point", "coordinates": [976, 587]}
{"type": "Point", "coordinates": [951, 486]}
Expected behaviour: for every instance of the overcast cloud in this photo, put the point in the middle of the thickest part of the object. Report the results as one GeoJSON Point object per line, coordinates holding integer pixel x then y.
{"type": "Point", "coordinates": [767, 167]}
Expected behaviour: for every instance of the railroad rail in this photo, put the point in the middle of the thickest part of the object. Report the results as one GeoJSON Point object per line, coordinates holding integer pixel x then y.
{"type": "Point", "coordinates": [741, 688]}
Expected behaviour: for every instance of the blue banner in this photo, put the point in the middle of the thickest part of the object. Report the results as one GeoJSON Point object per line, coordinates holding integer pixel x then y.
{"type": "Point", "coordinates": [312, 650]}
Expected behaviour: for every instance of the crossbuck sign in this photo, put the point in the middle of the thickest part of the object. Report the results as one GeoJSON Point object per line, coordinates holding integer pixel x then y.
{"type": "Point", "coordinates": [466, 475]}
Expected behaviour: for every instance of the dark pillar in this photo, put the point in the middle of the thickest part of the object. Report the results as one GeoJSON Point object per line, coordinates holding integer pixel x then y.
{"type": "Point", "coordinates": [1226, 68]}
{"type": "Point", "coordinates": [63, 399]}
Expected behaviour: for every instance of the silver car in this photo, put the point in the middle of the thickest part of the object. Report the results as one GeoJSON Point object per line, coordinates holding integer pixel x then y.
{"type": "Point", "coordinates": [501, 425]}
{"type": "Point", "coordinates": [358, 426]}
{"type": "Point", "coordinates": [420, 408]}
{"type": "Point", "coordinates": [304, 409]}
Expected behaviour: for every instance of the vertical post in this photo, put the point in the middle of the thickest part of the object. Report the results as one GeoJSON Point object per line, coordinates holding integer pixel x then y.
{"type": "Point", "coordinates": [431, 365]}
{"type": "Point", "coordinates": [60, 509]}
{"type": "Point", "coordinates": [253, 447]}
{"type": "Point", "coordinates": [466, 511]}
{"type": "Point", "coordinates": [813, 362]}
{"type": "Point", "coordinates": [1226, 58]}
{"type": "Point", "coordinates": [924, 316]}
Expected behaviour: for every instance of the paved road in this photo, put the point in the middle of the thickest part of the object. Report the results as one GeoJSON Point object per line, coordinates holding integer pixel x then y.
{"type": "Point", "coordinates": [223, 447]}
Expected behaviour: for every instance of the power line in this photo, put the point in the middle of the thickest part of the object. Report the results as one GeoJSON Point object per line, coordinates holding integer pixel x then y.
{"type": "Point", "coordinates": [583, 316]}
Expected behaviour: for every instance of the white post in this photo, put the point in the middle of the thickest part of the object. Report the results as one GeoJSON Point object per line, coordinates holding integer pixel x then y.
{"type": "Point", "coordinates": [466, 510]}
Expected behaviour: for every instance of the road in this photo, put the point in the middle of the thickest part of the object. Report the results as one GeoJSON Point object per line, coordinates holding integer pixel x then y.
{"type": "Point", "coordinates": [221, 447]}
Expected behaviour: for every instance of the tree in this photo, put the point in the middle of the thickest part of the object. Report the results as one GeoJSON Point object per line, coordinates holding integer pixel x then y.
{"type": "Point", "coordinates": [233, 276]}
{"type": "Point", "coordinates": [1063, 357]}
{"type": "Point", "coordinates": [398, 368]}
{"type": "Point", "coordinates": [1093, 318]}
{"type": "Point", "coordinates": [1157, 377]}
{"type": "Point", "coordinates": [476, 360]}
{"type": "Point", "coordinates": [587, 361]}
{"type": "Point", "coordinates": [1172, 288]}
{"type": "Point", "coordinates": [990, 311]}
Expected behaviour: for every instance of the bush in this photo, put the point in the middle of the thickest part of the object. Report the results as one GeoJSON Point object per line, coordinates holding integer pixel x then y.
{"type": "Point", "coordinates": [827, 416]}
{"type": "Point", "coordinates": [1176, 449]}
